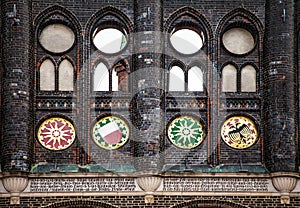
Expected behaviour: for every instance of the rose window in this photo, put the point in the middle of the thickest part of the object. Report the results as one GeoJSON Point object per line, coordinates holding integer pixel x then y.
{"type": "Point", "coordinates": [186, 132]}
{"type": "Point", "coordinates": [56, 134]}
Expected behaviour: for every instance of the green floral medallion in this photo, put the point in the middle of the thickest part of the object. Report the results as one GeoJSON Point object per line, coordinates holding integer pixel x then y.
{"type": "Point", "coordinates": [186, 132]}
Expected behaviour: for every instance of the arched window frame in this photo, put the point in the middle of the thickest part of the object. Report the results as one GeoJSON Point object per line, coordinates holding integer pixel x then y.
{"type": "Point", "coordinates": [40, 63]}
{"type": "Point", "coordinates": [183, 68]}
{"type": "Point", "coordinates": [241, 18]}
{"type": "Point", "coordinates": [94, 74]}
{"type": "Point", "coordinates": [57, 15]}
{"type": "Point", "coordinates": [256, 83]}
{"type": "Point", "coordinates": [223, 81]}
{"type": "Point", "coordinates": [239, 77]}
{"type": "Point", "coordinates": [74, 78]}
{"type": "Point", "coordinates": [56, 73]}
{"type": "Point", "coordinates": [201, 81]}
{"type": "Point", "coordinates": [111, 72]}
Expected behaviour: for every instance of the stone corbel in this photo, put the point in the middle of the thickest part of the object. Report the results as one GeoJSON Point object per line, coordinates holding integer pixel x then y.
{"type": "Point", "coordinates": [15, 184]}
{"type": "Point", "coordinates": [149, 184]}
{"type": "Point", "coordinates": [285, 184]}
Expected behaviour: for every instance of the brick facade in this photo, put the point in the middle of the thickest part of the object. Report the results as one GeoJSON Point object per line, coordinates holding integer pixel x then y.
{"type": "Point", "coordinates": [146, 105]}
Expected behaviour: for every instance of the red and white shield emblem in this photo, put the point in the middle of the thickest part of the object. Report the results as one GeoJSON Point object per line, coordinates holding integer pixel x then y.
{"type": "Point", "coordinates": [111, 133]}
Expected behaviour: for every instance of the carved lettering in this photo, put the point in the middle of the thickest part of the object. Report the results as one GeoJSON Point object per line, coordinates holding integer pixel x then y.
{"type": "Point", "coordinates": [82, 184]}
{"type": "Point", "coordinates": [216, 184]}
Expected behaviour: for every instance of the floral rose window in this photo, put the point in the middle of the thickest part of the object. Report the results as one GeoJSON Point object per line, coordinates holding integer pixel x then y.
{"type": "Point", "coordinates": [56, 134]}
{"type": "Point", "coordinates": [186, 132]}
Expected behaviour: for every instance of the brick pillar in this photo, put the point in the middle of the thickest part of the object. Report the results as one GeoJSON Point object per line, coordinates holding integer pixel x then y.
{"type": "Point", "coordinates": [16, 86]}
{"type": "Point", "coordinates": [147, 110]}
{"type": "Point", "coordinates": [280, 87]}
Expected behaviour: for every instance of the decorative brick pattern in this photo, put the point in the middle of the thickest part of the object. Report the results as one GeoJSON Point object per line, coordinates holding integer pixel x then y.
{"type": "Point", "coordinates": [160, 201]}
{"type": "Point", "coordinates": [144, 101]}
{"type": "Point", "coordinates": [17, 98]}
{"type": "Point", "coordinates": [280, 80]}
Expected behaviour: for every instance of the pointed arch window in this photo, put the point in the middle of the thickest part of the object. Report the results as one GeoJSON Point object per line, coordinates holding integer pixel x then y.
{"type": "Point", "coordinates": [101, 78]}
{"type": "Point", "coordinates": [248, 79]}
{"type": "Point", "coordinates": [47, 76]}
{"type": "Point", "coordinates": [49, 73]}
{"type": "Point", "coordinates": [195, 79]}
{"type": "Point", "coordinates": [176, 79]}
{"type": "Point", "coordinates": [120, 73]}
{"type": "Point", "coordinates": [229, 78]}
{"type": "Point", "coordinates": [115, 79]}
{"type": "Point", "coordinates": [65, 76]}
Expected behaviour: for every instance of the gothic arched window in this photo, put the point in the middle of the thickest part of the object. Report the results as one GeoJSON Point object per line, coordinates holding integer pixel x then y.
{"type": "Point", "coordinates": [229, 78]}
{"type": "Point", "coordinates": [65, 76]}
{"type": "Point", "coordinates": [101, 78]}
{"type": "Point", "coordinates": [248, 79]}
{"type": "Point", "coordinates": [47, 76]}
{"type": "Point", "coordinates": [195, 79]}
{"type": "Point", "coordinates": [176, 79]}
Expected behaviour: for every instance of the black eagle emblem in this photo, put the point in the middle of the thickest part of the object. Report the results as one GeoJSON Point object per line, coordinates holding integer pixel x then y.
{"type": "Point", "coordinates": [240, 133]}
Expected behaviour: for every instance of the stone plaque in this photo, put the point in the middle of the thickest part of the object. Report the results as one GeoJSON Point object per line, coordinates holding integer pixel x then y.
{"type": "Point", "coordinates": [216, 184]}
{"type": "Point", "coordinates": [82, 184]}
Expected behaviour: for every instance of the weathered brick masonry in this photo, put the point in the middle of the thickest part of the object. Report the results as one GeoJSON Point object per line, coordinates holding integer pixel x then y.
{"type": "Point", "coordinates": [149, 170]}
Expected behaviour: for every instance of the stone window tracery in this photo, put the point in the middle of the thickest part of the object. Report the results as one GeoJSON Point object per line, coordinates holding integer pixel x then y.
{"type": "Point", "coordinates": [186, 40]}
{"type": "Point", "coordinates": [109, 40]}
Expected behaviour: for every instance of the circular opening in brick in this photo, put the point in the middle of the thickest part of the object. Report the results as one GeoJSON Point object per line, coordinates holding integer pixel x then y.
{"type": "Point", "coordinates": [57, 38]}
{"type": "Point", "coordinates": [238, 40]}
{"type": "Point", "coordinates": [187, 41]}
{"type": "Point", "coordinates": [109, 40]}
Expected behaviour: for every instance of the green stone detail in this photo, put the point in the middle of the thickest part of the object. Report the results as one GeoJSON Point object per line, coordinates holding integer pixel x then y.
{"type": "Point", "coordinates": [186, 132]}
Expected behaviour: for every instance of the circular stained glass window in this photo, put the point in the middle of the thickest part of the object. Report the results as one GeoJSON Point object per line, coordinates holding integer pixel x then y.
{"type": "Point", "coordinates": [56, 134]}
{"type": "Point", "coordinates": [186, 132]}
{"type": "Point", "coordinates": [110, 132]}
{"type": "Point", "coordinates": [109, 40]}
{"type": "Point", "coordinates": [239, 132]}
{"type": "Point", "coordinates": [238, 41]}
{"type": "Point", "coordinates": [57, 38]}
{"type": "Point", "coordinates": [186, 41]}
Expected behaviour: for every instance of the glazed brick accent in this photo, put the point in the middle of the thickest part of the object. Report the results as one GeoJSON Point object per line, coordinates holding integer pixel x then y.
{"type": "Point", "coordinates": [147, 112]}
{"type": "Point", "coordinates": [17, 100]}
{"type": "Point", "coordinates": [85, 151]}
{"type": "Point", "coordinates": [277, 91]}
{"type": "Point", "coordinates": [160, 201]}
{"type": "Point", "coordinates": [298, 52]}
{"type": "Point", "coordinates": [280, 105]}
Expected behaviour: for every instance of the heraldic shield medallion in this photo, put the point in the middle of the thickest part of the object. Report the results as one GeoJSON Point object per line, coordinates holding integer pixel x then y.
{"type": "Point", "coordinates": [239, 132]}
{"type": "Point", "coordinates": [110, 132]}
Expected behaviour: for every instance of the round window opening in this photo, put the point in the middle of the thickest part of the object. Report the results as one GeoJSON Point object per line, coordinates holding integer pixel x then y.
{"type": "Point", "coordinates": [109, 40]}
{"type": "Point", "coordinates": [57, 38]}
{"type": "Point", "coordinates": [238, 41]}
{"type": "Point", "coordinates": [187, 41]}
